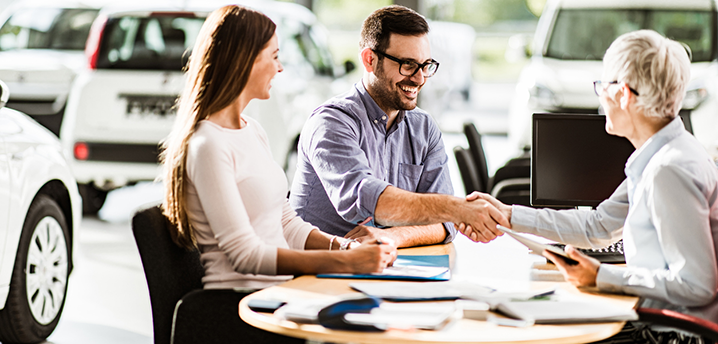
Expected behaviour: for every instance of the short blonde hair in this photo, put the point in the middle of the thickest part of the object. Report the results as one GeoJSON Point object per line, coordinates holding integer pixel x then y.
{"type": "Point", "coordinates": [658, 68]}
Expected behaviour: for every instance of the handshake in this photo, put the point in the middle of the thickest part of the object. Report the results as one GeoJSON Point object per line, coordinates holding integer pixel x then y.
{"type": "Point", "coordinates": [478, 218]}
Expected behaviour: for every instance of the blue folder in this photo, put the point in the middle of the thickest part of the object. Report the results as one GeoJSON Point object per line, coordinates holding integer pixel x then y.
{"type": "Point", "coordinates": [405, 260]}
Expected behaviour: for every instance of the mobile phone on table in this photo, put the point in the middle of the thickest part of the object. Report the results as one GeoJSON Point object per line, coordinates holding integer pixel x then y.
{"type": "Point", "coordinates": [536, 246]}
{"type": "Point", "coordinates": [265, 306]}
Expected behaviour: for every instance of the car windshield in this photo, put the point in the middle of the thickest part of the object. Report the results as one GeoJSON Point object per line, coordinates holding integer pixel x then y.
{"type": "Point", "coordinates": [47, 28]}
{"type": "Point", "coordinates": [586, 34]}
{"type": "Point", "coordinates": [148, 43]}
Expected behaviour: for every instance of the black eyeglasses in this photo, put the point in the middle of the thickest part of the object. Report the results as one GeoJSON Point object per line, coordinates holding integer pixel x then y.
{"type": "Point", "coordinates": [409, 67]}
{"type": "Point", "coordinates": [604, 84]}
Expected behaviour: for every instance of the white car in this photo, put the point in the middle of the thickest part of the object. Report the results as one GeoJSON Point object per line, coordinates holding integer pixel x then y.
{"type": "Point", "coordinates": [40, 211]}
{"type": "Point", "coordinates": [571, 39]}
{"type": "Point", "coordinates": [122, 105]}
{"type": "Point", "coordinates": [41, 50]}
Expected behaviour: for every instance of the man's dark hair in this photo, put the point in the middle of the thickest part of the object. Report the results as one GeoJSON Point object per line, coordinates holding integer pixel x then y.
{"type": "Point", "coordinates": [379, 26]}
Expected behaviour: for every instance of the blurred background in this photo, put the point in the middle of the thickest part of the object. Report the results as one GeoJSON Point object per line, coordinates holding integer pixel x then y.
{"type": "Point", "coordinates": [482, 45]}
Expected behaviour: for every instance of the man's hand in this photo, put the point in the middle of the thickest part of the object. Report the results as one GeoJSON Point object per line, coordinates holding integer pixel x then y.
{"type": "Point", "coordinates": [582, 274]}
{"type": "Point", "coordinates": [364, 233]}
{"type": "Point", "coordinates": [478, 219]}
{"type": "Point", "coordinates": [505, 209]}
{"type": "Point", "coordinates": [487, 230]}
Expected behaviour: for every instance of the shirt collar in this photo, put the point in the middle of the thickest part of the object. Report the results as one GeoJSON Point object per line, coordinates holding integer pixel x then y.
{"type": "Point", "coordinates": [373, 111]}
{"type": "Point", "coordinates": [639, 159]}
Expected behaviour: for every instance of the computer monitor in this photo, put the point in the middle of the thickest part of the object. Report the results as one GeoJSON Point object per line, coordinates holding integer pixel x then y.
{"type": "Point", "coordinates": [574, 162]}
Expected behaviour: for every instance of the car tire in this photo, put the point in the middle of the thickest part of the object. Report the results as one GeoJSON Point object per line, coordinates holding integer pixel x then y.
{"type": "Point", "coordinates": [40, 275]}
{"type": "Point", "coordinates": [92, 198]}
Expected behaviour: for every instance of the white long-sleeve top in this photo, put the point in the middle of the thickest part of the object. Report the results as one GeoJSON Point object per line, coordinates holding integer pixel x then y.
{"type": "Point", "coordinates": [667, 213]}
{"type": "Point", "coordinates": [237, 203]}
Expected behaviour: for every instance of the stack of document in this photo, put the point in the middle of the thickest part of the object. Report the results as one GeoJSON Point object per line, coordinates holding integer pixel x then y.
{"type": "Point", "coordinates": [406, 315]}
{"type": "Point", "coordinates": [564, 312]}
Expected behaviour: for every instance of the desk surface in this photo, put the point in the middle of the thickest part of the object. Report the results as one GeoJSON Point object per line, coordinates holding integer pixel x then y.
{"type": "Point", "coordinates": [458, 331]}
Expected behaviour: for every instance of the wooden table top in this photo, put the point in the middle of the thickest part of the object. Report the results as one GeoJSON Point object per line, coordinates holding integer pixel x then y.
{"type": "Point", "coordinates": [459, 330]}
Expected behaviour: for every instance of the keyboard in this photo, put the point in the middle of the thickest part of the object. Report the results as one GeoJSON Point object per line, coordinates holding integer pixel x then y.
{"type": "Point", "coordinates": [612, 254]}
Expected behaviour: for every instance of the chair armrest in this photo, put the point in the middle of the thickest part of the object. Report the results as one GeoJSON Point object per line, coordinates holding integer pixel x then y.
{"type": "Point", "coordinates": [689, 323]}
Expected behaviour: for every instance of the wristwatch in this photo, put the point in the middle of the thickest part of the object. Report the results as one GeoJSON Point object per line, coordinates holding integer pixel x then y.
{"type": "Point", "coordinates": [345, 244]}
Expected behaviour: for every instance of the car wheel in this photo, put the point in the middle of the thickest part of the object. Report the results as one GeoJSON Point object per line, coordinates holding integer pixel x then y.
{"type": "Point", "coordinates": [39, 278]}
{"type": "Point", "coordinates": [92, 198]}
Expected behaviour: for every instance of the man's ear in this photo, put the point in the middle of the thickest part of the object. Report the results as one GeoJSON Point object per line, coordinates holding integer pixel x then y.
{"type": "Point", "coordinates": [368, 59]}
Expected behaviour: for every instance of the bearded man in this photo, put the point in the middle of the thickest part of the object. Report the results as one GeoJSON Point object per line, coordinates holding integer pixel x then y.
{"type": "Point", "coordinates": [373, 165]}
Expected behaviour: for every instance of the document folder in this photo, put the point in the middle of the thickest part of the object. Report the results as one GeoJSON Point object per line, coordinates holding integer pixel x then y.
{"type": "Point", "coordinates": [408, 267]}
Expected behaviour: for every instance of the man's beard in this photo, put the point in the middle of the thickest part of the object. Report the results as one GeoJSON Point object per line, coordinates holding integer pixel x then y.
{"type": "Point", "coordinates": [388, 97]}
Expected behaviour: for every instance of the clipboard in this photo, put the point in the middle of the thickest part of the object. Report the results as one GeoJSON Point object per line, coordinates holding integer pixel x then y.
{"type": "Point", "coordinates": [536, 246]}
{"type": "Point", "coordinates": [408, 268]}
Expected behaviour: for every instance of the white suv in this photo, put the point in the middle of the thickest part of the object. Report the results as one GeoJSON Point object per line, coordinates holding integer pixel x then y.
{"type": "Point", "coordinates": [41, 50]}
{"type": "Point", "coordinates": [571, 39]}
{"type": "Point", "coordinates": [122, 105]}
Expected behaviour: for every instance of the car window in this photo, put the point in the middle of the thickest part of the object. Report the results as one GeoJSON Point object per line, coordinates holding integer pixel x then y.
{"type": "Point", "coordinates": [586, 34]}
{"type": "Point", "coordinates": [47, 28]}
{"type": "Point", "coordinates": [154, 43]}
{"type": "Point", "coordinates": [300, 43]}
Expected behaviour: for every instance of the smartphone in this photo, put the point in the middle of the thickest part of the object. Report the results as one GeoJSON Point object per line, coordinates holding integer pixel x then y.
{"type": "Point", "coordinates": [265, 306]}
{"type": "Point", "coordinates": [536, 246]}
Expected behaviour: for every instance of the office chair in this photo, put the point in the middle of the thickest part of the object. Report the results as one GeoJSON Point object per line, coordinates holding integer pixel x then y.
{"type": "Point", "coordinates": [511, 183]}
{"type": "Point", "coordinates": [478, 156]}
{"type": "Point", "coordinates": [467, 169]}
{"type": "Point", "coordinates": [664, 317]}
{"type": "Point", "coordinates": [183, 312]}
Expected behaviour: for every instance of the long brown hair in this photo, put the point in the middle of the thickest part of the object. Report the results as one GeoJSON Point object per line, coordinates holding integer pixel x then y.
{"type": "Point", "coordinates": [217, 72]}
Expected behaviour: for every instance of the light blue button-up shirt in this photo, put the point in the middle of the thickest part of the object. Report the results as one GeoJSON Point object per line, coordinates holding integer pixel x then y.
{"type": "Point", "coordinates": [347, 158]}
{"type": "Point", "coordinates": [667, 213]}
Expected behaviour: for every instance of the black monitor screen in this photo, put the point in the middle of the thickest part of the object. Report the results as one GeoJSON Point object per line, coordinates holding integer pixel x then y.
{"type": "Point", "coordinates": [574, 162]}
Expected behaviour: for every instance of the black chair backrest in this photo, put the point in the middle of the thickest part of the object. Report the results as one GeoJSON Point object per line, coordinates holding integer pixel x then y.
{"type": "Point", "coordinates": [467, 169]}
{"type": "Point", "coordinates": [171, 271]}
{"type": "Point", "coordinates": [478, 155]}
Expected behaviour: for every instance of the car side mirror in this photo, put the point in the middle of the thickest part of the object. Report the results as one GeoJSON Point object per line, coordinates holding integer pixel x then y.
{"type": "Point", "coordinates": [349, 66]}
{"type": "Point", "coordinates": [4, 94]}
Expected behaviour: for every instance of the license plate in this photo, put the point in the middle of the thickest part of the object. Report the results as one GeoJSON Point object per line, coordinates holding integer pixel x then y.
{"type": "Point", "coordinates": [150, 106]}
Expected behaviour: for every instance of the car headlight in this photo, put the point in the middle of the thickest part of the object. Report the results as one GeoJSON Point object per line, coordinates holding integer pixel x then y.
{"type": "Point", "coordinates": [694, 97]}
{"type": "Point", "coordinates": [544, 97]}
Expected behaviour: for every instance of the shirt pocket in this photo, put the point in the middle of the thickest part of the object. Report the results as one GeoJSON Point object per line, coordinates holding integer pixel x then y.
{"type": "Point", "coordinates": [409, 176]}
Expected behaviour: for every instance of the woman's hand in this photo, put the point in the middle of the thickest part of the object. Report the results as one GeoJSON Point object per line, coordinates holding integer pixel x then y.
{"type": "Point", "coordinates": [372, 255]}
{"type": "Point", "coordinates": [582, 274]}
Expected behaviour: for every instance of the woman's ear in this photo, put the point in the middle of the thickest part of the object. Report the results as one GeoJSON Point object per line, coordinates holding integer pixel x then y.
{"type": "Point", "coordinates": [626, 96]}
{"type": "Point", "coordinates": [368, 59]}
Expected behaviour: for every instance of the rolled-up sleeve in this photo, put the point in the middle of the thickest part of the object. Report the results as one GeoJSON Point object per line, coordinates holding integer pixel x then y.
{"type": "Point", "coordinates": [331, 142]}
{"type": "Point", "coordinates": [435, 177]}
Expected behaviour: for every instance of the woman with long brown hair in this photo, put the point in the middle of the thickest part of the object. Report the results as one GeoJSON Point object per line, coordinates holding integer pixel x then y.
{"type": "Point", "coordinates": [224, 192]}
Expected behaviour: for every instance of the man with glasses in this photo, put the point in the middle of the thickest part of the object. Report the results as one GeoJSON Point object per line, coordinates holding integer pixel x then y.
{"type": "Point", "coordinates": [371, 158]}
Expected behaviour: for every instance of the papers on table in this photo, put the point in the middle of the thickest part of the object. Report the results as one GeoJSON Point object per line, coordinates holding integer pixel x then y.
{"type": "Point", "coordinates": [420, 291]}
{"type": "Point", "coordinates": [406, 315]}
{"type": "Point", "coordinates": [413, 271]}
{"type": "Point", "coordinates": [303, 310]}
{"type": "Point", "coordinates": [565, 312]}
